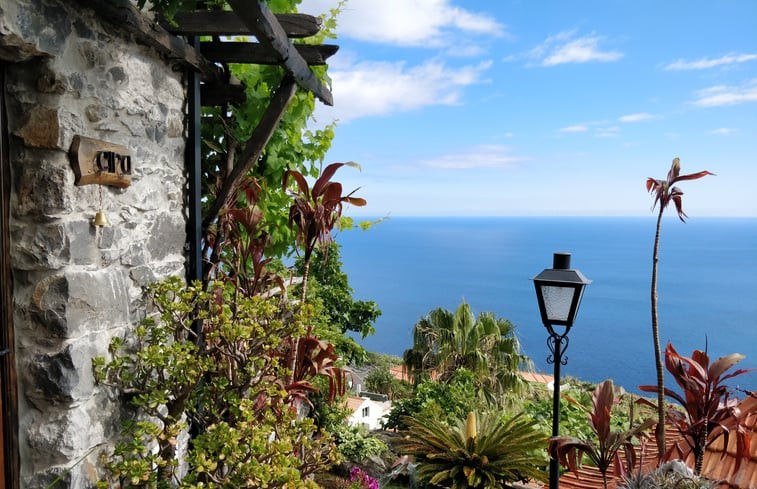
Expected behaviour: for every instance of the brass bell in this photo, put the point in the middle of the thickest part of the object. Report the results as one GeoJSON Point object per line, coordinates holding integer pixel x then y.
{"type": "Point", "coordinates": [101, 219]}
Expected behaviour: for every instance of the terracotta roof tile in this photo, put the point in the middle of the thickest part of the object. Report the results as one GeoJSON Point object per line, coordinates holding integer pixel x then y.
{"type": "Point", "coordinates": [718, 465]}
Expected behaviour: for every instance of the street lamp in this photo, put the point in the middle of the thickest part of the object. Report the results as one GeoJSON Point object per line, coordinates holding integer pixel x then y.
{"type": "Point", "coordinates": [559, 290]}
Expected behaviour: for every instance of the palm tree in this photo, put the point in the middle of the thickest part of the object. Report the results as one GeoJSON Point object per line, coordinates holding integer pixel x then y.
{"type": "Point", "coordinates": [664, 192]}
{"type": "Point", "coordinates": [444, 341]}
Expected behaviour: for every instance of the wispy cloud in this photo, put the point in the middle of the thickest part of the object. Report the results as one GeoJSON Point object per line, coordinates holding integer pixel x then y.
{"type": "Point", "coordinates": [400, 22]}
{"type": "Point", "coordinates": [727, 95]}
{"type": "Point", "coordinates": [724, 131]}
{"type": "Point", "coordinates": [642, 116]}
{"type": "Point", "coordinates": [373, 88]}
{"type": "Point", "coordinates": [576, 128]}
{"type": "Point", "coordinates": [608, 132]}
{"type": "Point", "coordinates": [482, 156]}
{"type": "Point", "coordinates": [704, 63]}
{"type": "Point", "coordinates": [566, 48]}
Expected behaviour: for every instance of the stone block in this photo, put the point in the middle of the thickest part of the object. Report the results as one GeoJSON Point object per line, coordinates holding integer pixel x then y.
{"type": "Point", "coordinates": [84, 249]}
{"type": "Point", "coordinates": [39, 246]}
{"type": "Point", "coordinates": [44, 191]}
{"type": "Point", "coordinates": [42, 128]}
{"type": "Point", "coordinates": [97, 301]}
{"type": "Point", "coordinates": [167, 236]}
{"type": "Point", "coordinates": [64, 376]}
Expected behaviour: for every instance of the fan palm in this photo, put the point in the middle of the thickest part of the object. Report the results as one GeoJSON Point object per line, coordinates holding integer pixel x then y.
{"type": "Point", "coordinates": [500, 451]}
{"type": "Point", "coordinates": [445, 341]}
{"type": "Point", "coordinates": [664, 192]}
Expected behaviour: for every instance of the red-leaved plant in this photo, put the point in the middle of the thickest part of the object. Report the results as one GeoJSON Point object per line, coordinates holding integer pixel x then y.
{"type": "Point", "coordinates": [605, 451]}
{"type": "Point", "coordinates": [664, 192]}
{"type": "Point", "coordinates": [709, 411]}
{"type": "Point", "coordinates": [316, 211]}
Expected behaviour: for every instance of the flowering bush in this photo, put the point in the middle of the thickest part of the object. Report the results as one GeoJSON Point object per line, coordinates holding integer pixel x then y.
{"type": "Point", "coordinates": [359, 479]}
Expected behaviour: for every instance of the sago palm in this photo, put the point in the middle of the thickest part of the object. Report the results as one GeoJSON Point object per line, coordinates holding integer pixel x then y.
{"type": "Point", "coordinates": [445, 341]}
{"type": "Point", "coordinates": [496, 453]}
{"type": "Point", "coordinates": [664, 192]}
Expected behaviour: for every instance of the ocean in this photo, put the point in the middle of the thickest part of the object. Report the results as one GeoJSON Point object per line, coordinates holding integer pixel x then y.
{"type": "Point", "coordinates": [707, 285]}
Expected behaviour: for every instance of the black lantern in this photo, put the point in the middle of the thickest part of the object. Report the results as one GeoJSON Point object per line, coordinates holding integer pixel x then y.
{"type": "Point", "coordinates": [559, 290]}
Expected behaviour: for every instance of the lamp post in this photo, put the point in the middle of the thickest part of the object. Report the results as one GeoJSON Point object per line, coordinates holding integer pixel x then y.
{"type": "Point", "coordinates": [559, 290]}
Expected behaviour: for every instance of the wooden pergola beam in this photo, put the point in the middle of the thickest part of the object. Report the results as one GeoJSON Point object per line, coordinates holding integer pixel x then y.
{"type": "Point", "coordinates": [125, 15]}
{"type": "Point", "coordinates": [215, 94]}
{"type": "Point", "coordinates": [256, 53]}
{"type": "Point", "coordinates": [263, 24]}
{"type": "Point", "coordinates": [226, 23]}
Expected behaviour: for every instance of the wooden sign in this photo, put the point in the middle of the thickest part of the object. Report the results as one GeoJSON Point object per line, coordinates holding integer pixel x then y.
{"type": "Point", "coordinates": [100, 162]}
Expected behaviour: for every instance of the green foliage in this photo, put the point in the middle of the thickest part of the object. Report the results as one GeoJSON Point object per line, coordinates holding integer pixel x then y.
{"type": "Point", "coordinates": [498, 452]}
{"type": "Point", "coordinates": [605, 445]}
{"type": "Point", "coordinates": [381, 381]}
{"type": "Point", "coordinates": [573, 419]}
{"type": "Point", "coordinates": [445, 341]}
{"type": "Point", "coordinates": [444, 401]}
{"type": "Point", "coordinates": [230, 387]}
{"type": "Point", "coordinates": [355, 443]}
{"type": "Point", "coordinates": [332, 288]}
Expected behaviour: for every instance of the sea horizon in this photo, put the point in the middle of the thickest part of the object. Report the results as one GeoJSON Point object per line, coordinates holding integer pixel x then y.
{"type": "Point", "coordinates": [410, 265]}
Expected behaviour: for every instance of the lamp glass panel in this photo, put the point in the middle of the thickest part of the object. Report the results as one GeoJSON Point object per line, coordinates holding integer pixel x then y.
{"type": "Point", "coordinates": [557, 301]}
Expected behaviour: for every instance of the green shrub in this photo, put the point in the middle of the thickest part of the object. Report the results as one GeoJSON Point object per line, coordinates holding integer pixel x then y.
{"type": "Point", "coordinates": [356, 444]}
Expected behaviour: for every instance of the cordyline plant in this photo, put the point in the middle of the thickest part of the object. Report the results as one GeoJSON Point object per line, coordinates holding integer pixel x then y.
{"type": "Point", "coordinates": [496, 453]}
{"type": "Point", "coordinates": [604, 451]}
{"type": "Point", "coordinates": [709, 412]}
{"type": "Point", "coordinates": [316, 211]}
{"type": "Point", "coordinates": [664, 193]}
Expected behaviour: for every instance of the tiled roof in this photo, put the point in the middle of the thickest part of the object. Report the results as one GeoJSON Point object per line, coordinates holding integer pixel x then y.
{"type": "Point", "coordinates": [717, 465]}
{"type": "Point", "coordinates": [537, 377]}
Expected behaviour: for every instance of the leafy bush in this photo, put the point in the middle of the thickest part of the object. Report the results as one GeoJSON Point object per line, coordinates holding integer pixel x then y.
{"type": "Point", "coordinates": [233, 387]}
{"type": "Point", "coordinates": [356, 444]}
{"type": "Point", "coordinates": [447, 402]}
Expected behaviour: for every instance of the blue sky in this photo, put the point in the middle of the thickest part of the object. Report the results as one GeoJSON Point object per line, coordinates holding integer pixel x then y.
{"type": "Point", "coordinates": [521, 107]}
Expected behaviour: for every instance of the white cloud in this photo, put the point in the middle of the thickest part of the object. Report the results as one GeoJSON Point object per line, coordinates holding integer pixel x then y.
{"type": "Point", "coordinates": [374, 88]}
{"type": "Point", "coordinates": [705, 63]}
{"type": "Point", "coordinates": [643, 116]}
{"type": "Point", "coordinates": [576, 128]}
{"type": "Point", "coordinates": [482, 156]}
{"type": "Point", "coordinates": [608, 132]}
{"type": "Point", "coordinates": [565, 48]}
{"type": "Point", "coordinates": [726, 95]}
{"type": "Point", "coordinates": [724, 131]}
{"type": "Point", "coordinates": [406, 23]}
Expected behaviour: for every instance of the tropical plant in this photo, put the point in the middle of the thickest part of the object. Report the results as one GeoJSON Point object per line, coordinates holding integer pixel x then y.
{"type": "Point", "coordinates": [316, 211]}
{"type": "Point", "coordinates": [664, 192]}
{"type": "Point", "coordinates": [709, 412]}
{"type": "Point", "coordinates": [485, 451]}
{"type": "Point", "coordinates": [605, 450]}
{"type": "Point", "coordinates": [445, 341]}
{"type": "Point", "coordinates": [381, 381]}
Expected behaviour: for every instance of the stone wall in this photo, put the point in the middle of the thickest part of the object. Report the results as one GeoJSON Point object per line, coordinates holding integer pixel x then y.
{"type": "Point", "coordinates": [77, 285]}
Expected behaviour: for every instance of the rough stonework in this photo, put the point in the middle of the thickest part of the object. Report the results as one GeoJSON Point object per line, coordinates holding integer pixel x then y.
{"type": "Point", "coordinates": [77, 285]}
